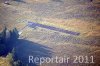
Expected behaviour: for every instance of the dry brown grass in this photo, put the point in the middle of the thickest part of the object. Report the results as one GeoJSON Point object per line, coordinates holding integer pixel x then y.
{"type": "Point", "coordinates": [34, 1]}
{"type": "Point", "coordinates": [4, 62]}
{"type": "Point", "coordinates": [88, 27]}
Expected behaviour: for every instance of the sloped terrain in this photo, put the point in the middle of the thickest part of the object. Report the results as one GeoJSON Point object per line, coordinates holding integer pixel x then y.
{"type": "Point", "coordinates": [82, 16]}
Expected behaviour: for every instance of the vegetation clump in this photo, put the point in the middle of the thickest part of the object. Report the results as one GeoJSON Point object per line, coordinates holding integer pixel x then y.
{"type": "Point", "coordinates": [7, 38]}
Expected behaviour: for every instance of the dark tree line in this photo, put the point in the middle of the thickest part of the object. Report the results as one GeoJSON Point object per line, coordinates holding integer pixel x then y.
{"type": "Point", "coordinates": [7, 48]}
{"type": "Point", "coordinates": [7, 38]}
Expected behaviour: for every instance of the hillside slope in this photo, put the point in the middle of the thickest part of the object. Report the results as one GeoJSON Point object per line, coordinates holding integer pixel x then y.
{"type": "Point", "coordinates": [81, 16]}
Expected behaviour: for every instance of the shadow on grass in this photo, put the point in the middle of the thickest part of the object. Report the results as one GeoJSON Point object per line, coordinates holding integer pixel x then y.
{"type": "Point", "coordinates": [9, 39]}
{"type": "Point", "coordinates": [25, 48]}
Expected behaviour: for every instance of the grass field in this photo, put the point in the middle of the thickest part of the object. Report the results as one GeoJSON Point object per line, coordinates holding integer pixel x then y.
{"type": "Point", "coordinates": [82, 17]}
